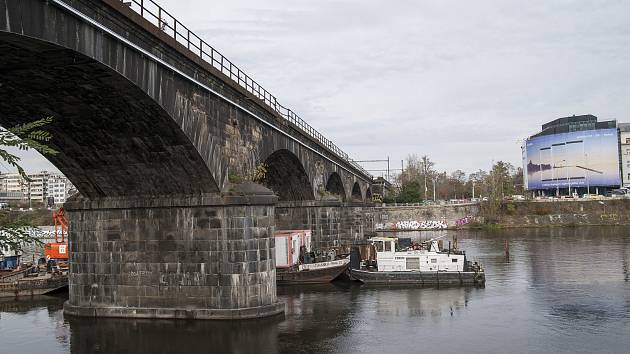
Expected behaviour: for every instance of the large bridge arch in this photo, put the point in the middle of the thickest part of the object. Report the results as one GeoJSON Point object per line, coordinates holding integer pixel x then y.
{"type": "Point", "coordinates": [356, 195]}
{"type": "Point", "coordinates": [114, 140]}
{"type": "Point", "coordinates": [334, 186]}
{"type": "Point", "coordinates": [286, 176]}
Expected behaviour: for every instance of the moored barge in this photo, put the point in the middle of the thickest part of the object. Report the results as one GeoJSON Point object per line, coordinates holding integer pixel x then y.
{"type": "Point", "coordinates": [29, 282]}
{"type": "Point", "coordinates": [424, 265]}
{"type": "Point", "coordinates": [297, 264]}
{"type": "Point", "coordinates": [314, 273]}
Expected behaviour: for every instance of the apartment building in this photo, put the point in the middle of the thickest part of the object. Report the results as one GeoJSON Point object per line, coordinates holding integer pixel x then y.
{"type": "Point", "coordinates": [43, 186]}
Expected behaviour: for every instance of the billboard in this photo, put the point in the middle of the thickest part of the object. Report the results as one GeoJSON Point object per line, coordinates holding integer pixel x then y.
{"type": "Point", "coordinates": [575, 159]}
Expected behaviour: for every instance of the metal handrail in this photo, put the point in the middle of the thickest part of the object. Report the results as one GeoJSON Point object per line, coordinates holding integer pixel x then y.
{"type": "Point", "coordinates": [163, 20]}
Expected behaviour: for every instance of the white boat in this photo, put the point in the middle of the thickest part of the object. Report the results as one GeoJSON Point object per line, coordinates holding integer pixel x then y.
{"type": "Point", "coordinates": [424, 264]}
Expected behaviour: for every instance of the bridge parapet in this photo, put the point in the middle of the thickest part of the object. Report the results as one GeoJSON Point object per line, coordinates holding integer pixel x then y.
{"type": "Point", "coordinates": [164, 21]}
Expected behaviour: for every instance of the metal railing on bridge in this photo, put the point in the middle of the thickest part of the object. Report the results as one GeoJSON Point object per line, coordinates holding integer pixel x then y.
{"type": "Point", "coordinates": [159, 17]}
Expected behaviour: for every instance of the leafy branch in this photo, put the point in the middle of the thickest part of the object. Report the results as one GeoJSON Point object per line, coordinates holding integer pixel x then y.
{"type": "Point", "coordinates": [24, 137]}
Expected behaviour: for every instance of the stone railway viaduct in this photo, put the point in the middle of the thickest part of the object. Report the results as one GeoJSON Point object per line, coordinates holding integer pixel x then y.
{"type": "Point", "coordinates": [184, 166]}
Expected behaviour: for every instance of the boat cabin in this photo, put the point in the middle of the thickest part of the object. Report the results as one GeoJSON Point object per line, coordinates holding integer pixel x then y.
{"type": "Point", "coordinates": [288, 244]}
{"type": "Point", "coordinates": [429, 259]}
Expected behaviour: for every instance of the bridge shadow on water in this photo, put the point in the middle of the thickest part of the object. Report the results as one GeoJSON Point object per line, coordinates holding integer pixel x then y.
{"type": "Point", "coordinates": [303, 326]}
{"type": "Point", "coordinates": [172, 336]}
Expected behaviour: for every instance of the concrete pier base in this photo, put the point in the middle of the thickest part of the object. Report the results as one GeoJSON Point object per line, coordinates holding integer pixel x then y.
{"type": "Point", "coordinates": [175, 313]}
{"type": "Point", "coordinates": [202, 257]}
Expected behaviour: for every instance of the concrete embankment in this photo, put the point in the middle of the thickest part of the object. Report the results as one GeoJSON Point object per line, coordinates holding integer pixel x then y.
{"type": "Point", "coordinates": [564, 213]}
{"type": "Point", "coordinates": [511, 214]}
{"type": "Point", "coordinates": [428, 217]}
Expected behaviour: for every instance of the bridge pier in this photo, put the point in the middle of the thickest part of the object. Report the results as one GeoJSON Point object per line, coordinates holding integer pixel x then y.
{"type": "Point", "coordinates": [201, 257]}
{"type": "Point", "coordinates": [333, 223]}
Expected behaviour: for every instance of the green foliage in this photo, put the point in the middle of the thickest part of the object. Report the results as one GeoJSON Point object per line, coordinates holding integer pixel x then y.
{"type": "Point", "coordinates": [410, 193]}
{"type": "Point", "coordinates": [490, 227]}
{"type": "Point", "coordinates": [510, 209]}
{"type": "Point", "coordinates": [389, 200]}
{"type": "Point", "coordinates": [24, 137]}
{"type": "Point", "coordinates": [234, 178]}
{"type": "Point", "coordinates": [14, 236]}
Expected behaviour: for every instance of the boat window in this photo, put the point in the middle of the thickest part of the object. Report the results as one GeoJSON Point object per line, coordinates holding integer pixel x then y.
{"type": "Point", "coordinates": [399, 258]}
{"type": "Point", "coordinates": [413, 263]}
{"type": "Point", "coordinates": [433, 260]}
{"type": "Point", "coordinates": [388, 246]}
{"type": "Point", "coordinates": [454, 260]}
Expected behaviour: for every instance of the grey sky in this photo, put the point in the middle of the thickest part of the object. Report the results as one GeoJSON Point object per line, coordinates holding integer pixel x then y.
{"type": "Point", "coordinates": [461, 81]}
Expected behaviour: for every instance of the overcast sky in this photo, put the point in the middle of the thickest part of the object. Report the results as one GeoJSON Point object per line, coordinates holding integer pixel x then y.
{"type": "Point", "coordinates": [460, 81]}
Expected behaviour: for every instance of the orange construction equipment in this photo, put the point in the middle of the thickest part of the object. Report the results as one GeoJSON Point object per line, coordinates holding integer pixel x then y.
{"type": "Point", "coordinates": [58, 249]}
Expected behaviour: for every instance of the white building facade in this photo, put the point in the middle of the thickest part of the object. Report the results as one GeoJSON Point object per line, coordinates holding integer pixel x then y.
{"type": "Point", "coordinates": [43, 186]}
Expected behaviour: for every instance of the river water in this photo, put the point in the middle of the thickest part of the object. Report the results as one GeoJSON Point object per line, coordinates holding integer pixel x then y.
{"type": "Point", "coordinates": [561, 291]}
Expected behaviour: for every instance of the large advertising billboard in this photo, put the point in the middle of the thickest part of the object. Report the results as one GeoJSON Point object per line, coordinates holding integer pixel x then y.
{"type": "Point", "coordinates": [575, 159]}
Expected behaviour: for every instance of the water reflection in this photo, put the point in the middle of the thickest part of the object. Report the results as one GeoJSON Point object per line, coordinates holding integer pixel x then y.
{"type": "Point", "coordinates": [166, 336]}
{"type": "Point", "coordinates": [562, 290]}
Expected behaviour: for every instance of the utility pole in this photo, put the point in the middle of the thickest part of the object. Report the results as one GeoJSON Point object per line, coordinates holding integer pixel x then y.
{"type": "Point", "coordinates": [588, 187]}
{"type": "Point", "coordinates": [473, 183]}
{"type": "Point", "coordinates": [424, 167]}
{"type": "Point", "coordinates": [434, 199]}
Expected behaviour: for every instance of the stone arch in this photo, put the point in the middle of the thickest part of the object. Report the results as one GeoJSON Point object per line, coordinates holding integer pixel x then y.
{"type": "Point", "coordinates": [356, 195]}
{"type": "Point", "coordinates": [286, 176]}
{"type": "Point", "coordinates": [334, 185]}
{"type": "Point", "coordinates": [113, 138]}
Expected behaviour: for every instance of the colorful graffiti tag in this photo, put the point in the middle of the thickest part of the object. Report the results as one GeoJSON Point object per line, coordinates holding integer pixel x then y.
{"type": "Point", "coordinates": [413, 225]}
{"type": "Point", "coordinates": [464, 221]}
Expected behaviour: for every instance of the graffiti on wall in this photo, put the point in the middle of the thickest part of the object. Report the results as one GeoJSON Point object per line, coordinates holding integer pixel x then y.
{"type": "Point", "coordinates": [464, 221]}
{"type": "Point", "coordinates": [413, 225]}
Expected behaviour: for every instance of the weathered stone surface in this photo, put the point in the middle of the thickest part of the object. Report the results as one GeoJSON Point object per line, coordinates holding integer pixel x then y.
{"type": "Point", "coordinates": [449, 214]}
{"type": "Point", "coordinates": [178, 267]}
{"type": "Point", "coordinates": [333, 223]}
{"type": "Point", "coordinates": [127, 125]}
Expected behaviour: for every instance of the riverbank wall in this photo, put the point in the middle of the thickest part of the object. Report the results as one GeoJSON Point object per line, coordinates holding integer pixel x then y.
{"type": "Point", "coordinates": [563, 213]}
{"type": "Point", "coordinates": [424, 217]}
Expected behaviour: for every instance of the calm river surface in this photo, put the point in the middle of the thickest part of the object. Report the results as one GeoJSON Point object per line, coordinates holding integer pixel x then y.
{"type": "Point", "coordinates": [561, 291]}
